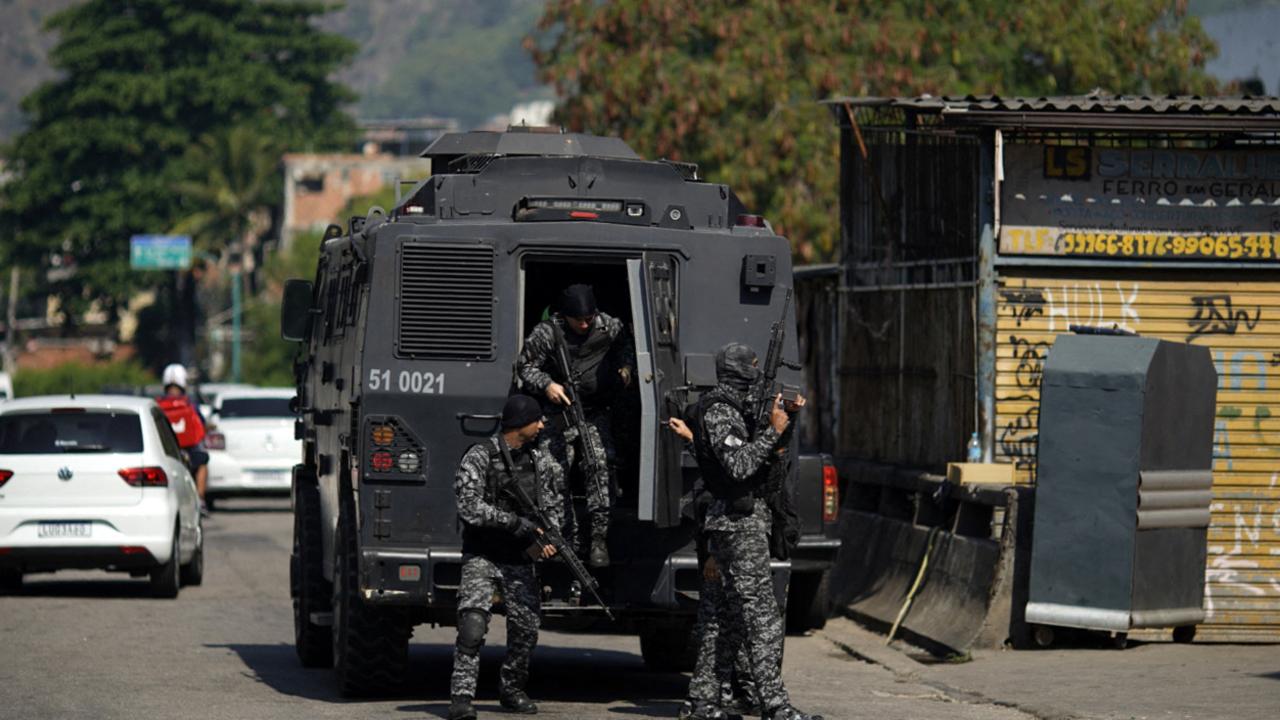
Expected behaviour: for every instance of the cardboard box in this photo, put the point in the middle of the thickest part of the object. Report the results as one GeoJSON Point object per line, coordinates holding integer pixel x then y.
{"type": "Point", "coordinates": [980, 473]}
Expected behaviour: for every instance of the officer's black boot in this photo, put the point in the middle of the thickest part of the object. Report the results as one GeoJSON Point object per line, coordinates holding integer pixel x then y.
{"type": "Point", "coordinates": [517, 701]}
{"type": "Point", "coordinates": [599, 555]}
{"type": "Point", "coordinates": [460, 708]}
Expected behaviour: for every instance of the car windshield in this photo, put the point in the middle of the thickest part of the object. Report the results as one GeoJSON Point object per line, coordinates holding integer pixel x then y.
{"type": "Point", "coordinates": [74, 431]}
{"type": "Point", "coordinates": [260, 407]}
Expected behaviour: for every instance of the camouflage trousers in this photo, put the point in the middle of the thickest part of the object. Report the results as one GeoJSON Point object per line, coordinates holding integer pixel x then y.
{"type": "Point", "coordinates": [721, 634]}
{"type": "Point", "coordinates": [565, 448]}
{"type": "Point", "coordinates": [518, 586]}
{"type": "Point", "coordinates": [743, 559]}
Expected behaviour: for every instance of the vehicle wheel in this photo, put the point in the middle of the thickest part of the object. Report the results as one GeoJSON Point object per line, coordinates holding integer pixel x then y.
{"type": "Point", "coordinates": [1119, 640]}
{"type": "Point", "coordinates": [669, 649]}
{"type": "Point", "coordinates": [370, 644]}
{"type": "Point", "coordinates": [1042, 636]}
{"type": "Point", "coordinates": [1184, 633]}
{"type": "Point", "coordinates": [164, 579]}
{"type": "Point", "coordinates": [311, 592]}
{"type": "Point", "coordinates": [808, 602]}
{"type": "Point", "coordinates": [10, 581]}
{"type": "Point", "coordinates": [193, 572]}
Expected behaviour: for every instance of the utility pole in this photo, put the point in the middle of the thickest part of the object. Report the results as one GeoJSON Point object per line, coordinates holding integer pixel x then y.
{"type": "Point", "coordinates": [235, 322]}
{"type": "Point", "coordinates": [10, 323]}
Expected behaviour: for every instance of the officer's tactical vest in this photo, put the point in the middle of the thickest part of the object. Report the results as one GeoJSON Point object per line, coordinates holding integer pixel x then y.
{"type": "Point", "coordinates": [495, 543]}
{"type": "Point", "coordinates": [586, 358]}
{"type": "Point", "coordinates": [714, 476]}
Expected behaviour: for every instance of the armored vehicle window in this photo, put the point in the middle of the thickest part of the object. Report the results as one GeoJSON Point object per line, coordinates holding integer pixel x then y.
{"type": "Point", "coordinates": [446, 301]}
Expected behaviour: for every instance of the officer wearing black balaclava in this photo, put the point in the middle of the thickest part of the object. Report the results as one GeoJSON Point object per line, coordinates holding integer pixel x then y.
{"type": "Point", "coordinates": [734, 458]}
{"type": "Point", "coordinates": [602, 361]}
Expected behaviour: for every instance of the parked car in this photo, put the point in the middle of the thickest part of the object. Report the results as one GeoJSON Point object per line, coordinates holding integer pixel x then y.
{"type": "Point", "coordinates": [96, 482]}
{"type": "Point", "coordinates": [251, 446]}
{"type": "Point", "coordinates": [206, 394]}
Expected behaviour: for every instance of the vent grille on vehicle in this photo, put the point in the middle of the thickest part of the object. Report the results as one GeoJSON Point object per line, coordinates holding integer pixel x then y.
{"type": "Point", "coordinates": [446, 301]}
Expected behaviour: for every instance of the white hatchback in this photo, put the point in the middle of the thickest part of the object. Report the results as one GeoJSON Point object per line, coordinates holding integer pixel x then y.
{"type": "Point", "coordinates": [251, 445]}
{"type": "Point", "coordinates": [96, 482]}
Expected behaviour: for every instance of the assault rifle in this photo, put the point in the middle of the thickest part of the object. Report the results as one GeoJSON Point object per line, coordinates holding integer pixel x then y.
{"type": "Point", "coordinates": [576, 419]}
{"type": "Point", "coordinates": [550, 534]}
{"type": "Point", "coordinates": [767, 388]}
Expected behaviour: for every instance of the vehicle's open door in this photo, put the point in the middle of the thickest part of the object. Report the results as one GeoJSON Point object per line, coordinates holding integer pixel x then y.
{"type": "Point", "coordinates": [654, 317]}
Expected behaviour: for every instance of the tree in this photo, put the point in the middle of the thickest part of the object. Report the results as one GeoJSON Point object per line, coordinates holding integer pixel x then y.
{"type": "Point", "coordinates": [734, 86]}
{"type": "Point", "coordinates": [233, 183]}
{"type": "Point", "coordinates": [140, 81]}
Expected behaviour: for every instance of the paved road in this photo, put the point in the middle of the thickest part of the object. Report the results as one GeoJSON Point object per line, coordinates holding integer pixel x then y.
{"type": "Point", "coordinates": [94, 645]}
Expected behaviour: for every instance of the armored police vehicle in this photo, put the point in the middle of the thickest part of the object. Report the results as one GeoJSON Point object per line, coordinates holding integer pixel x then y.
{"type": "Point", "coordinates": [409, 335]}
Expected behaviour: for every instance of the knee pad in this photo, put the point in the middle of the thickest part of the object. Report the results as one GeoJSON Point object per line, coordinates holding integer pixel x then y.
{"type": "Point", "coordinates": [472, 625]}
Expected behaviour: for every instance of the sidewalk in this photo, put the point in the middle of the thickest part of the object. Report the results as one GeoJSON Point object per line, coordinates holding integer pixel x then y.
{"type": "Point", "coordinates": [1154, 680]}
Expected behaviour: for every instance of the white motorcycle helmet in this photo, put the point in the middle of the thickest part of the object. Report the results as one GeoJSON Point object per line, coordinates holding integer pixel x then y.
{"type": "Point", "coordinates": [174, 374]}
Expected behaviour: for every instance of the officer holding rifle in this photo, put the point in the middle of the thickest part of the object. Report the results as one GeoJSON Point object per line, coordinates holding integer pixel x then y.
{"type": "Point", "coordinates": [578, 359]}
{"type": "Point", "coordinates": [509, 501]}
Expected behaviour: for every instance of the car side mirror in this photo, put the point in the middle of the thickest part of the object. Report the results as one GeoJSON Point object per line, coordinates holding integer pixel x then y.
{"type": "Point", "coordinates": [295, 311]}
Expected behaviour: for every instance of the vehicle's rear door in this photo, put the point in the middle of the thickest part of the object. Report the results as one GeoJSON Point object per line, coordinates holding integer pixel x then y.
{"type": "Point", "coordinates": [70, 457]}
{"type": "Point", "coordinates": [654, 311]}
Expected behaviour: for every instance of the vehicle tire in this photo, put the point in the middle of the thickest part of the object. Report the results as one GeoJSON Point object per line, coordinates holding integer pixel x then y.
{"type": "Point", "coordinates": [1119, 640]}
{"type": "Point", "coordinates": [1184, 633]}
{"type": "Point", "coordinates": [311, 592]}
{"type": "Point", "coordinates": [370, 644]}
{"type": "Point", "coordinates": [808, 602]}
{"type": "Point", "coordinates": [192, 573]}
{"type": "Point", "coordinates": [667, 648]}
{"type": "Point", "coordinates": [1042, 636]}
{"type": "Point", "coordinates": [10, 581]}
{"type": "Point", "coordinates": [164, 579]}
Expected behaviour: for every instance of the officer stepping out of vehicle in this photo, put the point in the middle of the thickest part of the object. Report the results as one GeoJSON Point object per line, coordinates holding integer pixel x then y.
{"type": "Point", "coordinates": [499, 544]}
{"type": "Point", "coordinates": [579, 358]}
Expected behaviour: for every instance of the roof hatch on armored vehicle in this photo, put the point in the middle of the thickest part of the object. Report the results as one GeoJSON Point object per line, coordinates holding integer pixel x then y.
{"type": "Point", "coordinates": [446, 308]}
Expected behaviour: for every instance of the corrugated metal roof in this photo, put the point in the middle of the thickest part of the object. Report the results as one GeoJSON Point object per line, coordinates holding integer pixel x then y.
{"type": "Point", "coordinates": [1091, 103]}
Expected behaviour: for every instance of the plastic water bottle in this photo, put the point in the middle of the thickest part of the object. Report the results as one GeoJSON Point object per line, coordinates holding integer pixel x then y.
{"type": "Point", "coordinates": [974, 453]}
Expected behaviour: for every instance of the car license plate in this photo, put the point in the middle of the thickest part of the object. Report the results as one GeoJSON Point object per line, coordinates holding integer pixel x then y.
{"type": "Point", "coordinates": [267, 476]}
{"type": "Point", "coordinates": [64, 530]}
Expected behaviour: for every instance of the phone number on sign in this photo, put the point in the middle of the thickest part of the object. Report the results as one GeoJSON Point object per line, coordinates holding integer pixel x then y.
{"type": "Point", "coordinates": [1253, 246]}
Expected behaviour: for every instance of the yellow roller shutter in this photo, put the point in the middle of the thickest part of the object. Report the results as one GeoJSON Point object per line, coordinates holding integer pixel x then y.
{"type": "Point", "coordinates": [1239, 319]}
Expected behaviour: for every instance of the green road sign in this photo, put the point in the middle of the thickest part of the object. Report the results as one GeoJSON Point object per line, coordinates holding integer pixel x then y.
{"type": "Point", "coordinates": [160, 252]}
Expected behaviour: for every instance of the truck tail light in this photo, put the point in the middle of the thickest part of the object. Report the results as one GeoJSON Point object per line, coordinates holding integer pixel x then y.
{"type": "Point", "coordinates": [382, 461]}
{"type": "Point", "coordinates": [392, 448]}
{"type": "Point", "coordinates": [830, 493]}
{"type": "Point", "coordinates": [145, 477]}
{"type": "Point", "coordinates": [4, 476]}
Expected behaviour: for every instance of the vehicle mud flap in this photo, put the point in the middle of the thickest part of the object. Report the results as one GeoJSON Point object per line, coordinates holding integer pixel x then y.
{"type": "Point", "coordinates": [370, 643]}
{"type": "Point", "coordinates": [312, 594]}
{"type": "Point", "coordinates": [669, 646]}
{"type": "Point", "coordinates": [808, 601]}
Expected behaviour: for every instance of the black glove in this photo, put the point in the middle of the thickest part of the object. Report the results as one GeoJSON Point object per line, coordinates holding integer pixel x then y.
{"type": "Point", "coordinates": [522, 528]}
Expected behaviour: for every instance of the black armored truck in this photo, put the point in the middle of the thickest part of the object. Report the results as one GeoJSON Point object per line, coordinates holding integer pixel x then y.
{"type": "Point", "coordinates": [408, 338]}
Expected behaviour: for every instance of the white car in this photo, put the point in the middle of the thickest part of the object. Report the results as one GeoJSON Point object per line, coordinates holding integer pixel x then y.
{"type": "Point", "coordinates": [96, 482]}
{"type": "Point", "coordinates": [251, 446]}
{"type": "Point", "coordinates": [207, 393]}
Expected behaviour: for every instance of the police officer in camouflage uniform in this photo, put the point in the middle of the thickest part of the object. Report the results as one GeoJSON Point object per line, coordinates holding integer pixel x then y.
{"type": "Point", "coordinates": [736, 460]}
{"type": "Point", "coordinates": [495, 552]}
{"type": "Point", "coordinates": [601, 355]}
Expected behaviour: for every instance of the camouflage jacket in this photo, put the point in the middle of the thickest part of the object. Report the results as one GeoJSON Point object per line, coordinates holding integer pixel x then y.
{"type": "Point", "coordinates": [742, 459]}
{"type": "Point", "coordinates": [479, 504]}
{"type": "Point", "coordinates": [536, 366]}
